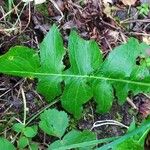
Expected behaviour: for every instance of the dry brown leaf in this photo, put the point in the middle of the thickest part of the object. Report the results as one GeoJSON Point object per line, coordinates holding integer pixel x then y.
{"type": "Point", "coordinates": [129, 2]}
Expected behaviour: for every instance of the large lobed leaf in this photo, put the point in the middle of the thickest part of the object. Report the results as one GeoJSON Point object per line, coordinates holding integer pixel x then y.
{"type": "Point", "coordinates": [88, 76]}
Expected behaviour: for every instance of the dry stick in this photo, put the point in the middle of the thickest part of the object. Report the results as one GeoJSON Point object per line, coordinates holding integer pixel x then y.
{"type": "Point", "coordinates": [18, 18]}
{"type": "Point", "coordinates": [8, 30]}
{"type": "Point", "coordinates": [110, 48]}
{"type": "Point", "coordinates": [147, 96]}
{"type": "Point", "coordinates": [14, 138]}
{"type": "Point", "coordinates": [108, 24]}
{"type": "Point", "coordinates": [11, 11]}
{"type": "Point", "coordinates": [123, 37]}
{"type": "Point", "coordinates": [135, 20]}
{"type": "Point", "coordinates": [108, 122]}
{"type": "Point", "coordinates": [7, 109]}
{"type": "Point", "coordinates": [29, 19]}
{"type": "Point", "coordinates": [11, 88]}
{"type": "Point", "coordinates": [131, 103]}
{"type": "Point", "coordinates": [25, 113]}
{"type": "Point", "coordinates": [138, 33]}
{"type": "Point", "coordinates": [19, 15]}
{"type": "Point", "coordinates": [3, 12]}
{"type": "Point", "coordinates": [130, 18]}
{"type": "Point", "coordinates": [56, 6]}
{"type": "Point", "coordinates": [24, 105]}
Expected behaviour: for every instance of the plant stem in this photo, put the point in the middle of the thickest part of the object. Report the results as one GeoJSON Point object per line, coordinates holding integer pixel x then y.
{"type": "Point", "coordinates": [24, 105]}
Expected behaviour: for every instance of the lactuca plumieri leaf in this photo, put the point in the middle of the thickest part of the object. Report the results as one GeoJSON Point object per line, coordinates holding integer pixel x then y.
{"type": "Point", "coordinates": [88, 76]}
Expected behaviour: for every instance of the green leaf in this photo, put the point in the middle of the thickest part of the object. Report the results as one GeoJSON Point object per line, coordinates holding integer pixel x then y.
{"type": "Point", "coordinates": [88, 76]}
{"type": "Point", "coordinates": [103, 94]}
{"type": "Point", "coordinates": [122, 60]}
{"type": "Point", "coordinates": [6, 145]}
{"type": "Point", "coordinates": [30, 131]}
{"type": "Point", "coordinates": [73, 137]}
{"type": "Point", "coordinates": [18, 127]}
{"type": "Point", "coordinates": [34, 146]}
{"type": "Point", "coordinates": [85, 58]}
{"type": "Point", "coordinates": [76, 93]}
{"type": "Point", "coordinates": [51, 54]}
{"type": "Point", "coordinates": [19, 61]}
{"type": "Point", "coordinates": [23, 142]}
{"type": "Point", "coordinates": [121, 71]}
{"type": "Point", "coordinates": [54, 122]}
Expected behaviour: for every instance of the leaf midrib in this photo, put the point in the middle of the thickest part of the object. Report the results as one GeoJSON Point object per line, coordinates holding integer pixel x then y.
{"type": "Point", "coordinates": [35, 74]}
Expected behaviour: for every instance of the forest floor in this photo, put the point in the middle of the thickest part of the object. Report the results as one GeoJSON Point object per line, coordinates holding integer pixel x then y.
{"type": "Point", "coordinates": [110, 23]}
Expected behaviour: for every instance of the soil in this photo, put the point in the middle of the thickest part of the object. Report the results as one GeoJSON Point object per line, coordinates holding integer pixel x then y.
{"type": "Point", "coordinates": [92, 21]}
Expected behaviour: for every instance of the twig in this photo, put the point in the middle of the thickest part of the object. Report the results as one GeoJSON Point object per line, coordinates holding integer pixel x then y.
{"type": "Point", "coordinates": [135, 20]}
{"type": "Point", "coordinates": [56, 6]}
{"type": "Point", "coordinates": [108, 122]}
{"type": "Point", "coordinates": [11, 10]}
{"type": "Point", "coordinates": [12, 87]}
{"type": "Point", "coordinates": [24, 105]}
{"type": "Point", "coordinates": [138, 33]}
{"type": "Point", "coordinates": [40, 111]}
{"type": "Point", "coordinates": [131, 103]}
{"type": "Point", "coordinates": [29, 19]}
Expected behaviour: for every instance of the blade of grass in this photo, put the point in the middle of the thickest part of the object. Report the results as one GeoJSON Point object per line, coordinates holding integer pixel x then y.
{"type": "Point", "coordinates": [113, 144]}
{"type": "Point", "coordinates": [86, 144]}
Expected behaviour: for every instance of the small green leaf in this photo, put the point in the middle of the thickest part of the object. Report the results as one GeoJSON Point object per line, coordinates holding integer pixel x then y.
{"type": "Point", "coordinates": [18, 127]}
{"type": "Point", "coordinates": [103, 94]}
{"type": "Point", "coordinates": [6, 145]}
{"type": "Point", "coordinates": [30, 131]}
{"type": "Point", "coordinates": [54, 122]}
{"type": "Point", "coordinates": [132, 126]}
{"type": "Point", "coordinates": [73, 137]}
{"type": "Point", "coordinates": [23, 142]}
{"type": "Point", "coordinates": [34, 146]}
